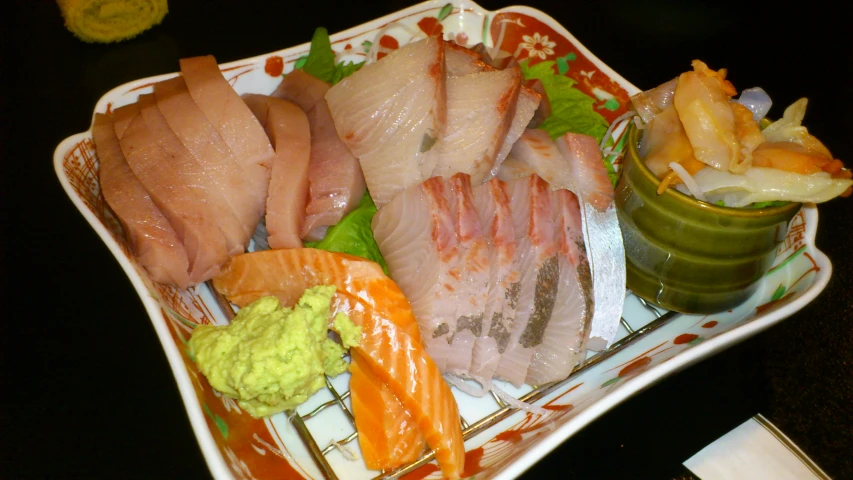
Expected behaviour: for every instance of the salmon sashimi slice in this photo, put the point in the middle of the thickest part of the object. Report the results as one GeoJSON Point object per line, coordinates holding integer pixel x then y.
{"type": "Point", "coordinates": [562, 346]}
{"type": "Point", "coordinates": [417, 237]}
{"type": "Point", "coordinates": [207, 177]}
{"type": "Point", "coordinates": [199, 137]}
{"type": "Point", "coordinates": [472, 271]}
{"type": "Point", "coordinates": [387, 433]}
{"type": "Point", "coordinates": [493, 206]}
{"type": "Point", "coordinates": [230, 117]}
{"type": "Point", "coordinates": [538, 267]}
{"type": "Point", "coordinates": [373, 301]}
{"type": "Point", "coordinates": [480, 108]}
{"type": "Point", "coordinates": [336, 180]}
{"type": "Point", "coordinates": [591, 181]}
{"type": "Point", "coordinates": [153, 240]}
{"type": "Point", "coordinates": [391, 113]}
{"type": "Point", "coordinates": [464, 61]}
{"type": "Point", "coordinates": [287, 126]}
{"type": "Point", "coordinates": [177, 199]}
{"type": "Point", "coordinates": [122, 117]}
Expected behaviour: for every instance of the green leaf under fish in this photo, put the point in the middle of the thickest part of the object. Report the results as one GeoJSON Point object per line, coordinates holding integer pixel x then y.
{"type": "Point", "coordinates": [353, 234]}
{"type": "Point", "coordinates": [320, 61]}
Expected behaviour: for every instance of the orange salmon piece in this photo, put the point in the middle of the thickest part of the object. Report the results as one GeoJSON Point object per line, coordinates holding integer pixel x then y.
{"type": "Point", "coordinates": [390, 348]}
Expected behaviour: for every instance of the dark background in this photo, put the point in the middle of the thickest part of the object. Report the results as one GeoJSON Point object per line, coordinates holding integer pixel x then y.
{"type": "Point", "coordinates": [86, 389]}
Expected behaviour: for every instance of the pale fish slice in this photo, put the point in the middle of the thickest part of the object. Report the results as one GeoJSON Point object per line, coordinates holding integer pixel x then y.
{"type": "Point", "coordinates": [391, 113]}
{"type": "Point", "coordinates": [415, 233]}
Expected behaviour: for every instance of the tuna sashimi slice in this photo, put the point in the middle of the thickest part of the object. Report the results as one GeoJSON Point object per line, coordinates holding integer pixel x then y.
{"type": "Point", "coordinates": [472, 271]}
{"type": "Point", "coordinates": [416, 235]}
{"type": "Point", "coordinates": [122, 117]}
{"type": "Point", "coordinates": [230, 116]}
{"type": "Point", "coordinates": [391, 113]}
{"type": "Point", "coordinates": [287, 126]}
{"type": "Point", "coordinates": [562, 346]}
{"type": "Point", "coordinates": [198, 136]}
{"type": "Point", "coordinates": [537, 263]}
{"type": "Point", "coordinates": [336, 180]}
{"type": "Point", "coordinates": [373, 301]}
{"type": "Point", "coordinates": [153, 240]}
{"type": "Point", "coordinates": [480, 108]}
{"type": "Point", "coordinates": [179, 200]}
{"type": "Point", "coordinates": [493, 205]}
{"type": "Point", "coordinates": [213, 184]}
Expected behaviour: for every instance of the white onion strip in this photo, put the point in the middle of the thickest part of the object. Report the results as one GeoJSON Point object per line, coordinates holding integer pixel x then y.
{"type": "Point", "coordinates": [615, 123]}
{"type": "Point", "coordinates": [516, 403]}
{"type": "Point", "coordinates": [689, 182]}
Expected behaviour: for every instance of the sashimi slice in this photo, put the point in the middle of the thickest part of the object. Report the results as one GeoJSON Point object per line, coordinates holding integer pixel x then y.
{"type": "Point", "coordinates": [473, 274]}
{"type": "Point", "coordinates": [198, 136]}
{"type": "Point", "coordinates": [562, 345]}
{"type": "Point", "coordinates": [391, 113]}
{"type": "Point", "coordinates": [178, 199]}
{"type": "Point", "coordinates": [464, 61]}
{"type": "Point", "coordinates": [537, 263]}
{"type": "Point", "coordinates": [416, 235]}
{"type": "Point", "coordinates": [374, 302]}
{"type": "Point", "coordinates": [480, 108]}
{"type": "Point", "coordinates": [230, 116]}
{"type": "Point", "coordinates": [153, 240]}
{"type": "Point", "coordinates": [209, 179]}
{"type": "Point", "coordinates": [336, 180]}
{"type": "Point", "coordinates": [493, 206]}
{"type": "Point", "coordinates": [387, 433]}
{"type": "Point", "coordinates": [287, 126]}
{"type": "Point", "coordinates": [590, 175]}
{"type": "Point", "coordinates": [602, 235]}
{"type": "Point", "coordinates": [535, 152]}
{"type": "Point", "coordinates": [122, 117]}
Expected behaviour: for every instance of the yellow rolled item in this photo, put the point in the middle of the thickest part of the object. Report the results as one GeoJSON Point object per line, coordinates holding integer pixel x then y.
{"type": "Point", "coordinates": [107, 21]}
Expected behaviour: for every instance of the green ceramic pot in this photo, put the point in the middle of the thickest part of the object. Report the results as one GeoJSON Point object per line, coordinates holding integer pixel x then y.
{"type": "Point", "coordinates": [687, 255]}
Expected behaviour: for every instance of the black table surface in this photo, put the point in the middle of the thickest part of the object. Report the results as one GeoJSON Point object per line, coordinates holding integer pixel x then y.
{"type": "Point", "coordinates": [87, 391]}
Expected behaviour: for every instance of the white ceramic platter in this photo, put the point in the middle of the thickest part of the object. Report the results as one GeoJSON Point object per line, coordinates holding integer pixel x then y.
{"type": "Point", "coordinates": [237, 446]}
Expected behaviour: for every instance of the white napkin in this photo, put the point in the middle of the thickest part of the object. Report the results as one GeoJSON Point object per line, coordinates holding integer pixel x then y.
{"type": "Point", "coordinates": [755, 449]}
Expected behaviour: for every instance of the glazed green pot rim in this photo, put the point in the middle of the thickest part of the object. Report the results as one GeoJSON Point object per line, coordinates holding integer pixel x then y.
{"type": "Point", "coordinates": [739, 212]}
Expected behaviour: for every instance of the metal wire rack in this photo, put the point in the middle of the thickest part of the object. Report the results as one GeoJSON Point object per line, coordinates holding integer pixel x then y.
{"type": "Point", "coordinates": [468, 429]}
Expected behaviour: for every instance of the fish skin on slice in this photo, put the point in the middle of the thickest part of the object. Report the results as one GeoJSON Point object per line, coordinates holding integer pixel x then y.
{"type": "Point", "coordinates": [177, 196]}
{"type": "Point", "coordinates": [493, 206]}
{"type": "Point", "coordinates": [472, 274]}
{"type": "Point", "coordinates": [230, 117]}
{"type": "Point", "coordinates": [287, 127]}
{"type": "Point", "coordinates": [206, 176]}
{"type": "Point", "coordinates": [200, 139]}
{"type": "Point", "coordinates": [388, 348]}
{"type": "Point", "coordinates": [336, 181]}
{"type": "Point", "coordinates": [391, 113]}
{"type": "Point", "coordinates": [537, 263]}
{"type": "Point", "coordinates": [580, 169]}
{"type": "Point", "coordinates": [153, 240]}
{"type": "Point", "coordinates": [480, 109]}
{"type": "Point", "coordinates": [562, 346]}
{"type": "Point", "coordinates": [416, 235]}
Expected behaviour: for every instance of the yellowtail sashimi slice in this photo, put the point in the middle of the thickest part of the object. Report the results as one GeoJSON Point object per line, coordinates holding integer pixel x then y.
{"type": "Point", "coordinates": [391, 113]}
{"type": "Point", "coordinates": [480, 108]}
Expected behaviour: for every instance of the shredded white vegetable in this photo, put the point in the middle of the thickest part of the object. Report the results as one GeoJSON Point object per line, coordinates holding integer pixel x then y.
{"type": "Point", "coordinates": [688, 180]}
{"type": "Point", "coordinates": [516, 403]}
{"type": "Point", "coordinates": [615, 123]}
